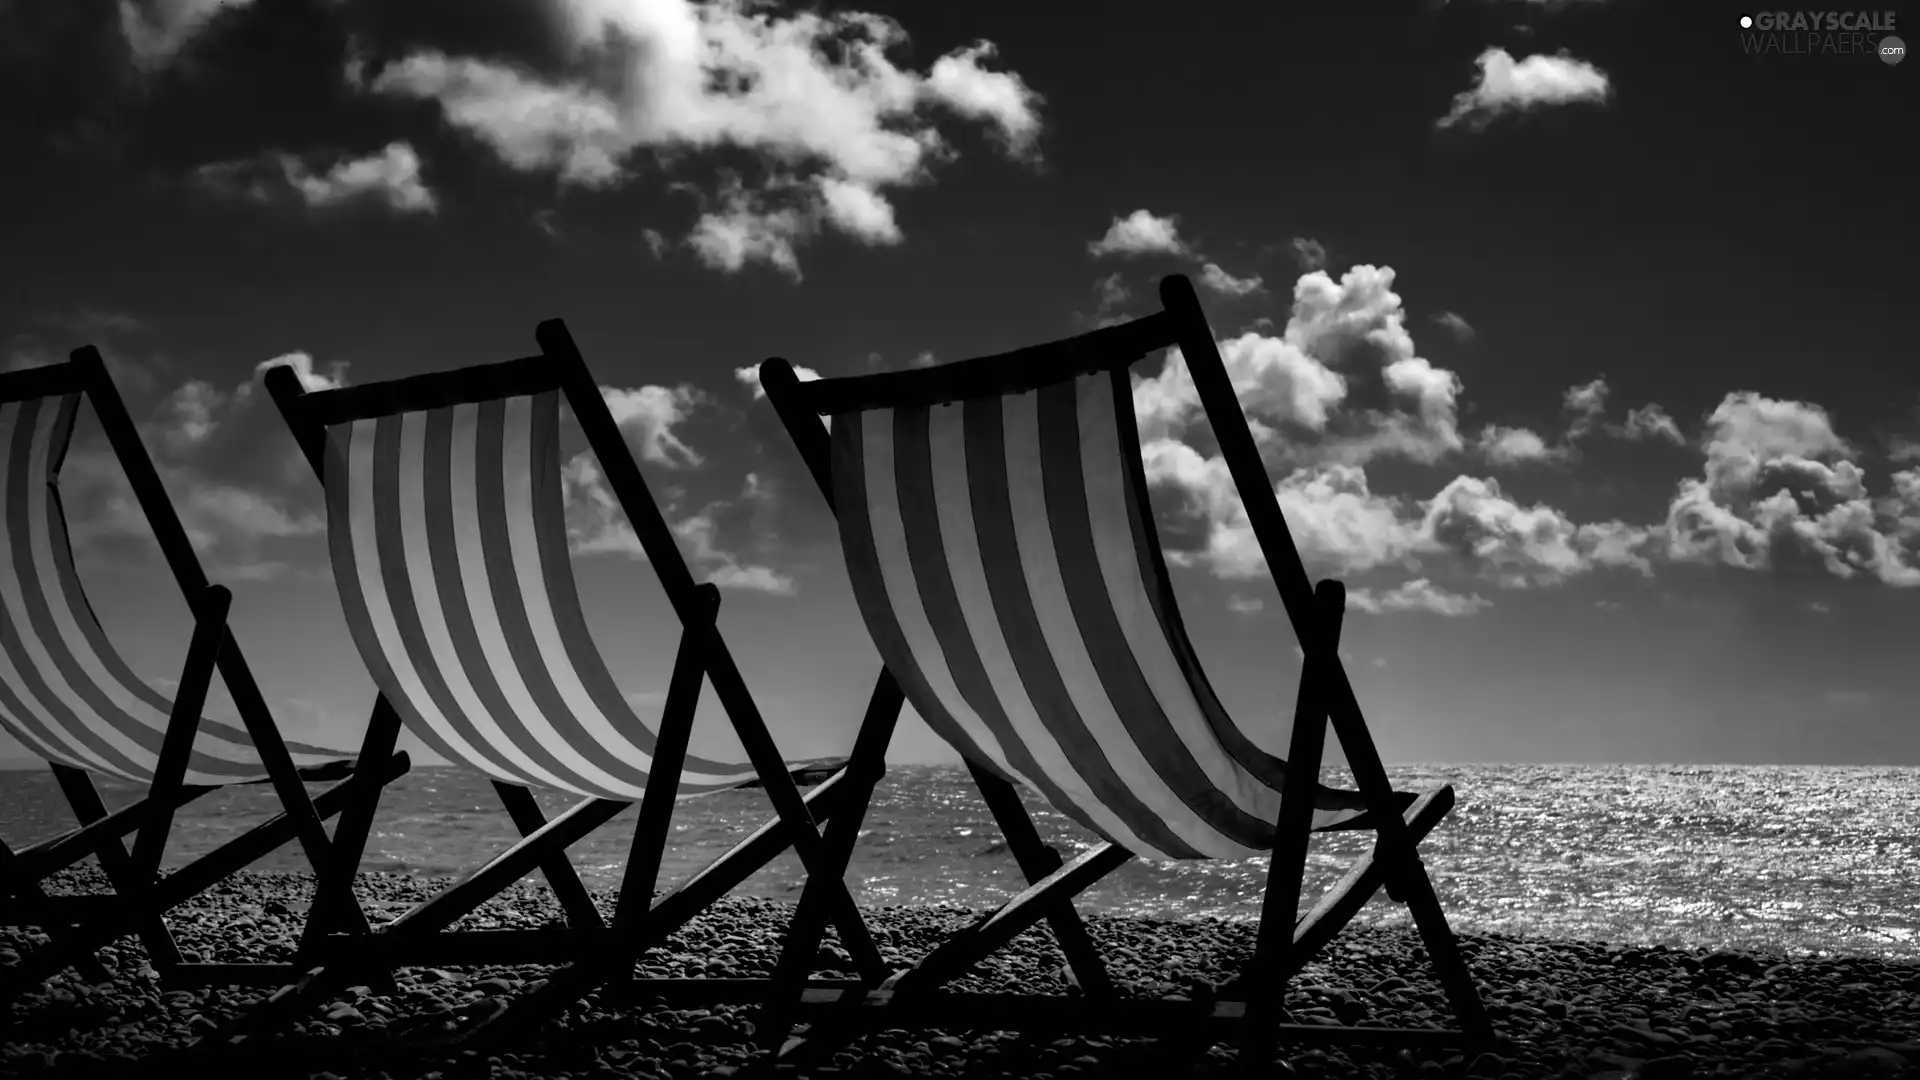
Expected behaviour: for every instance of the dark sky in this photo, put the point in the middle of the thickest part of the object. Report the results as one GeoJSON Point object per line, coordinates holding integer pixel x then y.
{"type": "Point", "coordinates": [1579, 333]}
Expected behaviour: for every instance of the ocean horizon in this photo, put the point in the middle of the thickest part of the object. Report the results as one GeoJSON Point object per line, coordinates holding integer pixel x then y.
{"type": "Point", "coordinates": [1799, 859]}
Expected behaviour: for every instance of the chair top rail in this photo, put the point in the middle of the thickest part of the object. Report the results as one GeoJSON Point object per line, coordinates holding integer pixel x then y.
{"type": "Point", "coordinates": [47, 381]}
{"type": "Point", "coordinates": [1013, 372]}
{"type": "Point", "coordinates": [433, 390]}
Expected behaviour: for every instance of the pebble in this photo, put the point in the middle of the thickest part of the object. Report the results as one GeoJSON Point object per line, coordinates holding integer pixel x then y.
{"type": "Point", "coordinates": [1565, 1009]}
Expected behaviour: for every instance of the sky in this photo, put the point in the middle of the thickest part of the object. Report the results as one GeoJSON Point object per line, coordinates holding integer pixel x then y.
{"type": "Point", "coordinates": [1577, 336]}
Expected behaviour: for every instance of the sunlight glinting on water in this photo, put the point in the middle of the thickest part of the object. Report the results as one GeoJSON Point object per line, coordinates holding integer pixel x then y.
{"type": "Point", "coordinates": [1778, 857]}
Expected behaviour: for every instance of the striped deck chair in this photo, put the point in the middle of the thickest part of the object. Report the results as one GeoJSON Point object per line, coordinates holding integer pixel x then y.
{"type": "Point", "coordinates": [67, 695]}
{"type": "Point", "coordinates": [449, 547]}
{"type": "Point", "coordinates": [1000, 545]}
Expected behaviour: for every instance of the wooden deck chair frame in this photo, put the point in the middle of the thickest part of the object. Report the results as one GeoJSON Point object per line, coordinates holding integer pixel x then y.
{"type": "Point", "coordinates": [592, 952]}
{"type": "Point", "coordinates": [78, 926]}
{"type": "Point", "coordinates": [1250, 1010]}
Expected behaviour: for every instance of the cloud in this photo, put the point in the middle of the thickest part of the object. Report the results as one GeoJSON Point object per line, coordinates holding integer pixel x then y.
{"type": "Point", "coordinates": [1342, 380]}
{"type": "Point", "coordinates": [1342, 385]}
{"type": "Point", "coordinates": [1651, 422]}
{"type": "Point", "coordinates": [647, 416]}
{"type": "Point", "coordinates": [311, 379]}
{"type": "Point", "coordinates": [1461, 329]}
{"type": "Point", "coordinates": [749, 514]}
{"type": "Point", "coordinates": [1302, 393]}
{"type": "Point", "coordinates": [748, 228]}
{"type": "Point", "coordinates": [228, 524]}
{"type": "Point", "coordinates": [205, 443]}
{"type": "Point", "coordinates": [1140, 233]}
{"type": "Point", "coordinates": [758, 225]}
{"type": "Point", "coordinates": [390, 176]}
{"type": "Point", "coordinates": [1335, 520]}
{"type": "Point", "coordinates": [1416, 595]}
{"type": "Point", "coordinates": [1111, 298]}
{"type": "Point", "coordinates": [595, 523]}
{"type": "Point", "coordinates": [1781, 490]}
{"type": "Point", "coordinates": [858, 211]}
{"type": "Point", "coordinates": [1515, 446]}
{"type": "Point", "coordinates": [156, 31]}
{"type": "Point", "coordinates": [190, 414]}
{"type": "Point", "coordinates": [1507, 87]}
{"type": "Point", "coordinates": [1245, 605]}
{"type": "Point", "coordinates": [1520, 546]}
{"type": "Point", "coordinates": [1309, 254]}
{"type": "Point", "coordinates": [1222, 283]}
{"type": "Point", "coordinates": [723, 569]}
{"type": "Point", "coordinates": [1002, 99]}
{"type": "Point", "coordinates": [816, 97]}
{"type": "Point", "coordinates": [749, 377]}
{"type": "Point", "coordinates": [1587, 402]}
{"type": "Point", "coordinates": [1277, 383]}
{"type": "Point", "coordinates": [1340, 525]}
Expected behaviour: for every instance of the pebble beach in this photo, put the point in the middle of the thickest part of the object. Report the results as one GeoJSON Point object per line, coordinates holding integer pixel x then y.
{"type": "Point", "coordinates": [1560, 1008]}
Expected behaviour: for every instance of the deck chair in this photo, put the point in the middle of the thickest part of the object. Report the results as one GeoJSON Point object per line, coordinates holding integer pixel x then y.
{"type": "Point", "coordinates": [67, 695]}
{"type": "Point", "coordinates": [1001, 548]}
{"type": "Point", "coordinates": [449, 547]}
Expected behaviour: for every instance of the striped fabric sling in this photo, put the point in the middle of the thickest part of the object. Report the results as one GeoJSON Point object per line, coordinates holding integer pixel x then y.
{"type": "Point", "coordinates": [65, 691]}
{"type": "Point", "coordinates": [449, 548]}
{"type": "Point", "coordinates": [1009, 574]}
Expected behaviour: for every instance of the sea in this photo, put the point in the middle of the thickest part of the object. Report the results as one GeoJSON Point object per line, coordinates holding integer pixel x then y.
{"type": "Point", "coordinates": [1801, 860]}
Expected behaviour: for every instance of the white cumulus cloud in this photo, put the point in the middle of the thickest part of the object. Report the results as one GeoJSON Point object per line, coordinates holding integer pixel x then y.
{"type": "Point", "coordinates": [648, 414]}
{"type": "Point", "coordinates": [1782, 491]}
{"type": "Point", "coordinates": [818, 98]}
{"type": "Point", "coordinates": [1222, 283]}
{"type": "Point", "coordinates": [1140, 233]}
{"type": "Point", "coordinates": [1506, 86]}
{"type": "Point", "coordinates": [391, 177]}
{"type": "Point", "coordinates": [1515, 446]}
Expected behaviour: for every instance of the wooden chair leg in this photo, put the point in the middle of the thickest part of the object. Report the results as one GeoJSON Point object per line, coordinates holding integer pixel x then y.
{"type": "Point", "coordinates": [764, 753]}
{"type": "Point", "coordinates": [1264, 980]}
{"type": "Point", "coordinates": [1041, 900]}
{"type": "Point", "coordinates": [561, 877]}
{"type": "Point", "coordinates": [798, 951]}
{"type": "Point", "coordinates": [1052, 884]}
{"type": "Point", "coordinates": [1038, 901]}
{"type": "Point", "coordinates": [1038, 861]}
{"type": "Point", "coordinates": [333, 892]}
{"type": "Point", "coordinates": [285, 777]}
{"type": "Point", "coordinates": [645, 854]}
{"type": "Point", "coordinates": [1404, 870]}
{"type": "Point", "coordinates": [162, 950]}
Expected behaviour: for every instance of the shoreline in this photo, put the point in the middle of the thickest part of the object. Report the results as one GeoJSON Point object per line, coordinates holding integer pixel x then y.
{"type": "Point", "coordinates": [1563, 1008]}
